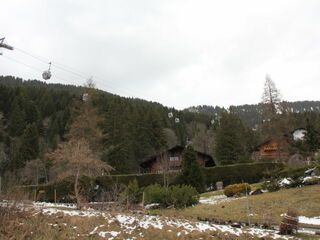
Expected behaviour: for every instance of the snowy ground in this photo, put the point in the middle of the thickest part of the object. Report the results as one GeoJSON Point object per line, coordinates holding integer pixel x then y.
{"type": "Point", "coordinates": [129, 223]}
{"type": "Point", "coordinates": [311, 221]}
{"type": "Point", "coordinates": [217, 199]}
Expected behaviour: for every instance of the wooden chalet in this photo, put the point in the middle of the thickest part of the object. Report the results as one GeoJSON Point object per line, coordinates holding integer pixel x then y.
{"type": "Point", "coordinates": [275, 149]}
{"type": "Point", "coordinates": [171, 160]}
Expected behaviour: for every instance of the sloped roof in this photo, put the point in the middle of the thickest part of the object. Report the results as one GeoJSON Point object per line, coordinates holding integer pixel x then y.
{"type": "Point", "coordinates": [177, 147]}
{"type": "Point", "coordinates": [269, 140]}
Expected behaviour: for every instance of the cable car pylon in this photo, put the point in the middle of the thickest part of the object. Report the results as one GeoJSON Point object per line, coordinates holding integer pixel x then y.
{"type": "Point", "coordinates": [4, 45]}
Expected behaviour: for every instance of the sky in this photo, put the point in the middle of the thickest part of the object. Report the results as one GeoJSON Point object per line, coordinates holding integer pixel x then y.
{"type": "Point", "coordinates": [179, 53]}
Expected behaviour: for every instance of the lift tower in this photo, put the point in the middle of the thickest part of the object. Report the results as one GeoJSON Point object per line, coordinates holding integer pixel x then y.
{"type": "Point", "coordinates": [4, 45]}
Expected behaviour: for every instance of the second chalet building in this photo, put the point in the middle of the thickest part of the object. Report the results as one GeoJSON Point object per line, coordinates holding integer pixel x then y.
{"type": "Point", "coordinates": [171, 160]}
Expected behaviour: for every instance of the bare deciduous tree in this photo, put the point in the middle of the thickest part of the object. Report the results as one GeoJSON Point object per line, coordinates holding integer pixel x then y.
{"type": "Point", "coordinates": [76, 158]}
{"type": "Point", "coordinates": [78, 155]}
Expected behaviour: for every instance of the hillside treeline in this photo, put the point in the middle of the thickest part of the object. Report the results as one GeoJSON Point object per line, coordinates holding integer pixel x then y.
{"type": "Point", "coordinates": [35, 117]}
{"type": "Point", "coordinates": [251, 115]}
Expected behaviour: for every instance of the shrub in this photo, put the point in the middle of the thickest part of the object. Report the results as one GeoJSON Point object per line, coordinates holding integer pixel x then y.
{"type": "Point", "coordinates": [132, 193]}
{"type": "Point", "coordinates": [271, 185]}
{"type": "Point", "coordinates": [178, 196]}
{"type": "Point", "coordinates": [311, 181]}
{"type": "Point", "coordinates": [237, 189]}
{"type": "Point", "coordinates": [293, 173]}
{"type": "Point", "coordinates": [289, 224]}
{"type": "Point", "coordinates": [157, 194]}
{"type": "Point", "coordinates": [184, 196]}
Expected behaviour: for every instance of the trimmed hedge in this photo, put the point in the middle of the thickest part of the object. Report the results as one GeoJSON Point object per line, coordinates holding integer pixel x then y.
{"type": "Point", "coordinates": [248, 172]}
{"type": "Point", "coordinates": [229, 174]}
{"type": "Point", "coordinates": [178, 196]}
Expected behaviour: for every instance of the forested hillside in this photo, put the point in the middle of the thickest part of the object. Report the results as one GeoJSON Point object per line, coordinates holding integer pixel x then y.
{"type": "Point", "coordinates": [250, 114]}
{"type": "Point", "coordinates": [36, 116]}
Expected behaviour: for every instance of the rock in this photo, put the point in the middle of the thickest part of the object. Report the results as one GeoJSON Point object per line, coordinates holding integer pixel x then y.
{"type": "Point", "coordinates": [236, 225]}
{"type": "Point", "coordinates": [219, 185]}
{"type": "Point", "coordinates": [256, 192]}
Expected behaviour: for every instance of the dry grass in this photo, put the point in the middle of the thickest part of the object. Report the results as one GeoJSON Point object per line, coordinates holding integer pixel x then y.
{"type": "Point", "coordinates": [305, 200]}
{"type": "Point", "coordinates": [16, 224]}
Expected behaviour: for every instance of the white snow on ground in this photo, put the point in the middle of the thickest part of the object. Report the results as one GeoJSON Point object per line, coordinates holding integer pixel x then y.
{"type": "Point", "coordinates": [46, 204]}
{"type": "Point", "coordinates": [217, 199]}
{"type": "Point", "coordinates": [285, 181]}
{"type": "Point", "coordinates": [312, 221]}
{"type": "Point", "coordinates": [307, 178]}
{"type": "Point", "coordinates": [130, 222]}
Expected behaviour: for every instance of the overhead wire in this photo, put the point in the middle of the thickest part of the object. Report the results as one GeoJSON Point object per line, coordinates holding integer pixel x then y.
{"type": "Point", "coordinates": [34, 68]}
{"type": "Point", "coordinates": [83, 75]}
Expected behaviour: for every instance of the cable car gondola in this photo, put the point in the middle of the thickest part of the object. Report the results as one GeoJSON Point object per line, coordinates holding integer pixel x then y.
{"type": "Point", "coordinates": [46, 75]}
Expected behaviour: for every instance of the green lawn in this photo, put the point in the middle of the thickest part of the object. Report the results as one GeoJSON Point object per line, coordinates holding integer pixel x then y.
{"type": "Point", "coordinates": [267, 206]}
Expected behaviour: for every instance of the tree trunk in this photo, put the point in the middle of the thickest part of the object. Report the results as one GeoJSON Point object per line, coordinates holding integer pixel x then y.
{"type": "Point", "coordinates": [76, 190]}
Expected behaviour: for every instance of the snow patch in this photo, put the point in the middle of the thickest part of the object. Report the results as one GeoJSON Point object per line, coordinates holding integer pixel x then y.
{"type": "Point", "coordinates": [217, 199]}
{"type": "Point", "coordinates": [311, 221]}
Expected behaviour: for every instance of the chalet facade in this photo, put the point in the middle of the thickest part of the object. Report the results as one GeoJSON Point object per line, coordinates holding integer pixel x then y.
{"type": "Point", "coordinates": [171, 160]}
{"type": "Point", "coordinates": [275, 149]}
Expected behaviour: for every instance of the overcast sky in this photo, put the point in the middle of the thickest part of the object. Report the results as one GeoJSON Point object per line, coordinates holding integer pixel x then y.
{"type": "Point", "coordinates": [179, 53]}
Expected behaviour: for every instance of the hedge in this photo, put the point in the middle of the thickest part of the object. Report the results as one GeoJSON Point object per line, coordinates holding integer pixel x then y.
{"type": "Point", "coordinates": [294, 172]}
{"type": "Point", "coordinates": [229, 174]}
{"type": "Point", "coordinates": [237, 173]}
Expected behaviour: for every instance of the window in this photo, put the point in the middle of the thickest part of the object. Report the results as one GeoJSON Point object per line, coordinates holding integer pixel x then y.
{"type": "Point", "coordinates": [174, 158]}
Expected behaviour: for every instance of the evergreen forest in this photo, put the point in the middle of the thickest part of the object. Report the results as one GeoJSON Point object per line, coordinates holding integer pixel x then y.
{"type": "Point", "coordinates": [36, 117]}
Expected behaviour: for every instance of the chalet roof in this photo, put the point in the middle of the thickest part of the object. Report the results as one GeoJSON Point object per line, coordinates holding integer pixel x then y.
{"type": "Point", "coordinates": [269, 140]}
{"type": "Point", "coordinates": [175, 148]}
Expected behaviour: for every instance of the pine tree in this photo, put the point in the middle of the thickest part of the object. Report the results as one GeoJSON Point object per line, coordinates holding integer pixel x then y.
{"type": "Point", "coordinates": [231, 144]}
{"type": "Point", "coordinates": [312, 137]}
{"type": "Point", "coordinates": [29, 146]}
{"type": "Point", "coordinates": [155, 129]}
{"type": "Point", "coordinates": [191, 172]}
{"type": "Point", "coordinates": [17, 121]}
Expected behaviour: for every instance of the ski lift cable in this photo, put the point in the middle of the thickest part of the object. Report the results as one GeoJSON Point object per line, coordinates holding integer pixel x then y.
{"type": "Point", "coordinates": [80, 74]}
{"type": "Point", "coordinates": [56, 76]}
{"type": "Point", "coordinates": [56, 64]}
{"type": "Point", "coordinates": [31, 67]}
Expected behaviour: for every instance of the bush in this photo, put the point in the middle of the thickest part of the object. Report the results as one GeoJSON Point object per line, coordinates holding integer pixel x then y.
{"type": "Point", "coordinates": [178, 196]}
{"type": "Point", "coordinates": [157, 194]}
{"type": "Point", "coordinates": [289, 224]}
{"type": "Point", "coordinates": [271, 185]}
{"type": "Point", "coordinates": [184, 196]}
{"type": "Point", "coordinates": [311, 181]}
{"type": "Point", "coordinates": [237, 189]}
{"type": "Point", "coordinates": [132, 193]}
{"type": "Point", "coordinates": [293, 173]}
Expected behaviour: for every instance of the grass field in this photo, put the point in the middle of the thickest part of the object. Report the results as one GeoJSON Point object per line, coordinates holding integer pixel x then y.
{"type": "Point", "coordinates": [264, 207]}
{"type": "Point", "coordinates": [55, 223]}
